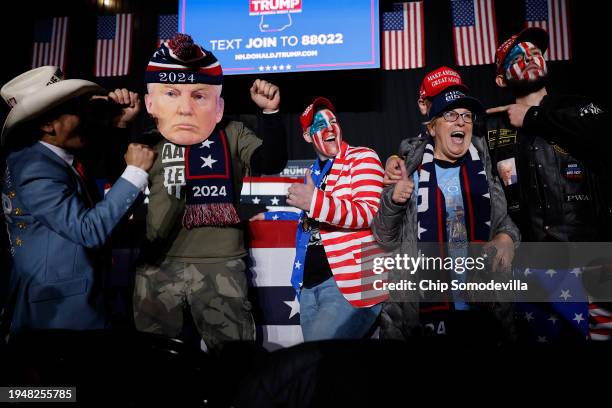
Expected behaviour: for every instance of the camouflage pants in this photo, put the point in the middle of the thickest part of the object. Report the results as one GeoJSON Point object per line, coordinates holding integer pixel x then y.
{"type": "Point", "coordinates": [216, 294]}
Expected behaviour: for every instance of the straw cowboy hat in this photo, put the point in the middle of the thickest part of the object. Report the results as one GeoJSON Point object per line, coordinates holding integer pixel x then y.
{"type": "Point", "coordinates": [37, 91]}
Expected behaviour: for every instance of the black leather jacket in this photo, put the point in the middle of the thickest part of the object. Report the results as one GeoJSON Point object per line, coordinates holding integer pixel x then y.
{"type": "Point", "coordinates": [557, 190]}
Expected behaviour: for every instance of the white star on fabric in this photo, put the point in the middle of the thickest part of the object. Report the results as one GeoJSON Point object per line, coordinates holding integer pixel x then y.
{"type": "Point", "coordinates": [529, 316]}
{"type": "Point", "coordinates": [207, 143]}
{"type": "Point", "coordinates": [565, 294]}
{"type": "Point", "coordinates": [553, 319]}
{"type": "Point", "coordinates": [256, 200]}
{"type": "Point", "coordinates": [527, 272]}
{"type": "Point", "coordinates": [275, 217]}
{"type": "Point", "coordinates": [488, 223]}
{"type": "Point", "coordinates": [317, 172]}
{"type": "Point", "coordinates": [208, 161]}
{"type": "Point", "coordinates": [551, 272]}
{"type": "Point", "coordinates": [294, 305]}
{"type": "Point", "coordinates": [487, 196]}
{"type": "Point", "coordinates": [576, 271]}
{"type": "Point", "coordinates": [274, 201]}
{"type": "Point", "coordinates": [298, 265]}
{"type": "Point", "coordinates": [578, 317]}
{"type": "Point", "coordinates": [420, 229]}
{"type": "Point", "coordinates": [483, 173]}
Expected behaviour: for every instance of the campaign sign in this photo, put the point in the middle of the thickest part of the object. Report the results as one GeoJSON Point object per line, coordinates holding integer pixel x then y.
{"type": "Point", "coordinates": [265, 36]}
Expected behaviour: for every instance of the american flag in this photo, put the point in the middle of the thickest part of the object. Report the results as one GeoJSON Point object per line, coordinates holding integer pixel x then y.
{"type": "Point", "coordinates": [167, 27]}
{"type": "Point", "coordinates": [403, 40]}
{"type": "Point", "coordinates": [600, 321]}
{"type": "Point", "coordinates": [113, 45]}
{"type": "Point", "coordinates": [564, 318]}
{"type": "Point", "coordinates": [552, 16]}
{"type": "Point", "coordinates": [276, 309]}
{"type": "Point", "coordinates": [50, 42]}
{"type": "Point", "coordinates": [272, 250]}
{"type": "Point", "coordinates": [474, 31]}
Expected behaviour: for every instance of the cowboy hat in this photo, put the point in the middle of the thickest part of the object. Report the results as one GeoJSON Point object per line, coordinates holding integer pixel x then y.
{"type": "Point", "coordinates": [37, 91]}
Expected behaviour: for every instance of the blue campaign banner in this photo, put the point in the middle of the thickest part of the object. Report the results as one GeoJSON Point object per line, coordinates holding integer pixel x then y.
{"type": "Point", "coordinates": [265, 36]}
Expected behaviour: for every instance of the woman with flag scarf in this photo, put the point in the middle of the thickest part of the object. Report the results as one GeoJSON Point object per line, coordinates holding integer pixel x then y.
{"type": "Point", "coordinates": [448, 196]}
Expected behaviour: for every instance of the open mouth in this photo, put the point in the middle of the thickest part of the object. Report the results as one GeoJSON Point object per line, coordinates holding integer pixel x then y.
{"type": "Point", "coordinates": [330, 139]}
{"type": "Point", "coordinates": [457, 137]}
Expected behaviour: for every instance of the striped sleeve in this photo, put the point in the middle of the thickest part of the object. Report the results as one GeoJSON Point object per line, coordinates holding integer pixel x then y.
{"type": "Point", "coordinates": [355, 198]}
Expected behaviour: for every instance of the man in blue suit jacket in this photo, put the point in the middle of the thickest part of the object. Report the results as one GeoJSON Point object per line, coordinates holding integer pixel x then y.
{"type": "Point", "coordinates": [55, 228]}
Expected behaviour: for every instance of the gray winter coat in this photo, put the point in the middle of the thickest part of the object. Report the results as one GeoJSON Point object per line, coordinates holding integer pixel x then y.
{"type": "Point", "coordinates": [395, 228]}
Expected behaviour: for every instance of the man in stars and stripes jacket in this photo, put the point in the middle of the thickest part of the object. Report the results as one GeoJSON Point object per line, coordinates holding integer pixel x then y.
{"type": "Point", "coordinates": [334, 243]}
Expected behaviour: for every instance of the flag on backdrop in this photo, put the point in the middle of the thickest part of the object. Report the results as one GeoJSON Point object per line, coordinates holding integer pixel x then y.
{"type": "Point", "coordinates": [403, 39]}
{"type": "Point", "coordinates": [276, 309]}
{"type": "Point", "coordinates": [474, 31]}
{"type": "Point", "coordinates": [113, 45]}
{"type": "Point", "coordinates": [271, 244]}
{"type": "Point", "coordinates": [49, 46]}
{"type": "Point", "coordinates": [552, 16]}
{"type": "Point", "coordinates": [167, 27]}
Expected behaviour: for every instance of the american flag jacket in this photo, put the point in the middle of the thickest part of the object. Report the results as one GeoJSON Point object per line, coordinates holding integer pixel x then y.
{"type": "Point", "coordinates": [345, 210]}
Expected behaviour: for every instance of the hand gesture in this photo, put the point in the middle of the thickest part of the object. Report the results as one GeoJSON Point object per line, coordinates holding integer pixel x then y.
{"type": "Point", "coordinates": [504, 252]}
{"type": "Point", "coordinates": [403, 187]}
{"type": "Point", "coordinates": [393, 170]}
{"type": "Point", "coordinates": [130, 106]}
{"type": "Point", "coordinates": [265, 95]}
{"type": "Point", "coordinates": [516, 113]}
{"type": "Point", "coordinates": [140, 155]}
{"type": "Point", "coordinates": [300, 195]}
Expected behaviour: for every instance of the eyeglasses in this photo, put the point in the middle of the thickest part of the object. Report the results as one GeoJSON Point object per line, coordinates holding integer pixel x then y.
{"type": "Point", "coordinates": [452, 116]}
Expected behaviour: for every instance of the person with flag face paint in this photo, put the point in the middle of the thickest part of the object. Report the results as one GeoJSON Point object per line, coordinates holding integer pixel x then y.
{"type": "Point", "coordinates": [559, 148]}
{"type": "Point", "coordinates": [338, 199]}
{"type": "Point", "coordinates": [558, 144]}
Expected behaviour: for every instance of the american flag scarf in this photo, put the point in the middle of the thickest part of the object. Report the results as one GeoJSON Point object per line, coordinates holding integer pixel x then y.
{"type": "Point", "coordinates": [302, 235]}
{"type": "Point", "coordinates": [208, 178]}
{"type": "Point", "coordinates": [474, 189]}
{"type": "Point", "coordinates": [431, 208]}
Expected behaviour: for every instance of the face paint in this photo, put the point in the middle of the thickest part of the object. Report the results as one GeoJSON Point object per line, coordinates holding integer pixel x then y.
{"type": "Point", "coordinates": [326, 134]}
{"type": "Point", "coordinates": [525, 62]}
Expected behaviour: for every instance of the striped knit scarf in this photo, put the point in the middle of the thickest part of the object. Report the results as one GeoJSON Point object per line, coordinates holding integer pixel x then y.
{"type": "Point", "coordinates": [431, 211]}
{"type": "Point", "coordinates": [208, 178]}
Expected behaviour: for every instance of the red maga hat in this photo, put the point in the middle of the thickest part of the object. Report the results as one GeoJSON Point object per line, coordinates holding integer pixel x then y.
{"type": "Point", "coordinates": [308, 114]}
{"type": "Point", "coordinates": [535, 35]}
{"type": "Point", "coordinates": [438, 80]}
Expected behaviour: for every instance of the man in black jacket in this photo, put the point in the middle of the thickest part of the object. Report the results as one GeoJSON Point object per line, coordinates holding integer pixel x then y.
{"type": "Point", "coordinates": [556, 145]}
{"type": "Point", "coordinates": [553, 150]}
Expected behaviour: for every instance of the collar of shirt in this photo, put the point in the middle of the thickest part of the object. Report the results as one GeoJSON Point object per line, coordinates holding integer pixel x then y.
{"type": "Point", "coordinates": [63, 154]}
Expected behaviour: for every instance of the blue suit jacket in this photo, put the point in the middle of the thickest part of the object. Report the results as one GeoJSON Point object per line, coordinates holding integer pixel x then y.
{"type": "Point", "coordinates": [56, 235]}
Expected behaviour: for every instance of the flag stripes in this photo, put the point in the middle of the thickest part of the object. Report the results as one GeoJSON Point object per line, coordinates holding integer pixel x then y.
{"type": "Point", "coordinates": [113, 45]}
{"type": "Point", "coordinates": [49, 46]}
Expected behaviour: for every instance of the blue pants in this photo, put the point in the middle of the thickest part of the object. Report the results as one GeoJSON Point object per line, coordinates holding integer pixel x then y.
{"type": "Point", "coordinates": [326, 314]}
